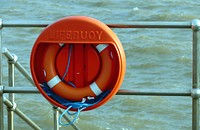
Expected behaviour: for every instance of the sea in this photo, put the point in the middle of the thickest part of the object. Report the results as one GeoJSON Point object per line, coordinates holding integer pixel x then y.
{"type": "Point", "coordinates": [156, 60]}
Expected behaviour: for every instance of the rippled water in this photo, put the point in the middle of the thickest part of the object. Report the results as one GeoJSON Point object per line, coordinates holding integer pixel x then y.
{"type": "Point", "coordinates": [157, 59]}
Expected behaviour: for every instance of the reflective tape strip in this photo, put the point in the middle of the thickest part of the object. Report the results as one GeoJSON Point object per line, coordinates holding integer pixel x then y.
{"type": "Point", "coordinates": [55, 80]}
{"type": "Point", "coordinates": [101, 47]}
{"type": "Point", "coordinates": [94, 87]}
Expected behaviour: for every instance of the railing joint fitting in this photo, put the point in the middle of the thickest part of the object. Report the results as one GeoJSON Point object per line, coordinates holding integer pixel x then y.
{"type": "Point", "coordinates": [55, 107]}
{"type": "Point", "coordinates": [13, 60]}
{"type": "Point", "coordinates": [13, 107]}
{"type": "Point", "coordinates": [195, 24]}
{"type": "Point", "coordinates": [195, 93]}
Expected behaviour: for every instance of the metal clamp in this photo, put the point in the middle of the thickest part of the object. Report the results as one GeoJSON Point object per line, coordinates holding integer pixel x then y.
{"type": "Point", "coordinates": [195, 24]}
{"type": "Point", "coordinates": [195, 93]}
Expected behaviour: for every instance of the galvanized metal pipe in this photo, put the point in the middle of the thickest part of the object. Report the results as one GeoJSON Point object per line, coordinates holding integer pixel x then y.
{"type": "Point", "coordinates": [1, 26]}
{"type": "Point", "coordinates": [17, 65]}
{"type": "Point", "coordinates": [24, 24]}
{"type": "Point", "coordinates": [196, 71]}
{"type": "Point", "coordinates": [18, 89]}
{"type": "Point", "coordinates": [1, 109]}
{"type": "Point", "coordinates": [11, 81]}
{"type": "Point", "coordinates": [153, 93]}
{"type": "Point", "coordinates": [55, 115]}
{"type": "Point", "coordinates": [141, 24]}
{"type": "Point", "coordinates": [152, 25]}
{"type": "Point", "coordinates": [27, 120]}
{"type": "Point", "coordinates": [29, 89]}
{"type": "Point", "coordinates": [21, 114]}
{"type": "Point", "coordinates": [1, 87]}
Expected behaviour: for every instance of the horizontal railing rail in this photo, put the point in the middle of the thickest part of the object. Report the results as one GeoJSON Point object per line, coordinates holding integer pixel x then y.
{"type": "Point", "coordinates": [141, 24]}
{"type": "Point", "coordinates": [194, 92]}
{"type": "Point", "coordinates": [34, 90]}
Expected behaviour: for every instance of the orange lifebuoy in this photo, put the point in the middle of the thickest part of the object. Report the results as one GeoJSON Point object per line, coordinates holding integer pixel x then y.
{"type": "Point", "coordinates": [104, 54]}
{"type": "Point", "coordinates": [69, 92]}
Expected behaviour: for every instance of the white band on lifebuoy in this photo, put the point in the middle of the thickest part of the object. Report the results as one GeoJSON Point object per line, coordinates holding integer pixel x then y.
{"type": "Point", "coordinates": [101, 47]}
{"type": "Point", "coordinates": [94, 87]}
{"type": "Point", "coordinates": [61, 44]}
{"type": "Point", "coordinates": [55, 80]}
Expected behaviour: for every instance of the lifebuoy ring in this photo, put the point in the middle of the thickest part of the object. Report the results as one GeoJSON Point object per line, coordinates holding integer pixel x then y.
{"type": "Point", "coordinates": [84, 31]}
{"type": "Point", "coordinates": [68, 92]}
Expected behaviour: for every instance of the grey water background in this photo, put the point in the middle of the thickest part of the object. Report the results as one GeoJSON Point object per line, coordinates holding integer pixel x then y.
{"type": "Point", "coordinates": [157, 60]}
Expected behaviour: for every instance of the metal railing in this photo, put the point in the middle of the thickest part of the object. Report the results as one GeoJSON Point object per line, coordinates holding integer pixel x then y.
{"type": "Point", "coordinates": [194, 93]}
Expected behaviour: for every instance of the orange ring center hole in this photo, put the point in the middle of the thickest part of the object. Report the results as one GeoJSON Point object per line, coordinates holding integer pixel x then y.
{"type": "Point", "coordinates": [84, 64]}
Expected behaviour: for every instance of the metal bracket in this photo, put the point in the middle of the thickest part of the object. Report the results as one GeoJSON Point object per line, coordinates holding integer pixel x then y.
{"type": "Point", "coordinates": [195, 93]}
{"type": "Point", "coordinates": [13, 107]}
{"type": "Point", "coordinates": [195, 24]}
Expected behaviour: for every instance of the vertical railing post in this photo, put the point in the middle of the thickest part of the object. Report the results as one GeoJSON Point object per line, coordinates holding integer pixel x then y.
{"type": "Point", "coordinates": [1, 87]}
{"type": "Point", "coordinates": [195, 93]}
{"type": "Point", "coordinates": [1, 109]}
{"type": "Point", "coordinates": [11, 76]}
{"type": "Point", "coordinates": [55, 115]}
